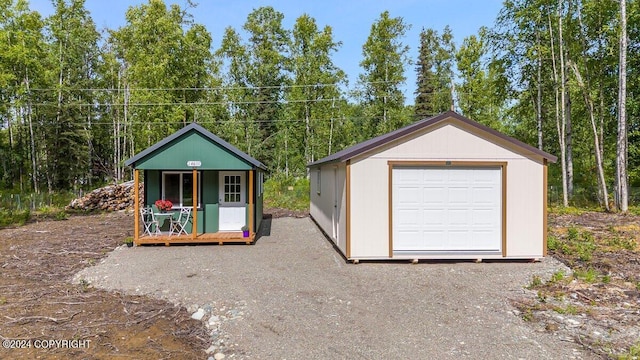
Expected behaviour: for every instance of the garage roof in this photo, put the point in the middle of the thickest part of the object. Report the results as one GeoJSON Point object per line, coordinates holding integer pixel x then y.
{"type": "Point", "coordinates": [378, 141]}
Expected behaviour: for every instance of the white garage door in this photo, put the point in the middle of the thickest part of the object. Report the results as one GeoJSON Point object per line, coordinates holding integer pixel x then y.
{"type": "Point", "coordinates": [447, 209]}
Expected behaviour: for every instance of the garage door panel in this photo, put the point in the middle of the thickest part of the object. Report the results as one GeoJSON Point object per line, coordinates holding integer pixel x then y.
{"type": "Point", "coordinates": [483, 217]}
{"type": "Point", "coordinates": [484, 195]}
{"type": "Point", "coordinates": [432, 195]}
{"type": "Point", "coordinates": [447, 209]}
{"type": "Point", "coordinates": [458, 195]}
{"type": "Point", "coordinates": [459, 239]}
{"type": "Point", "coordinates": [408, 178]}
{"type": "Point", "coordinates": [409, 217]}
{"type": "Point", "coordinates": [407, 195]}
{"type": "Point", "coordinates": [432, 240]}
{"type": "Point", "coordinates": [413, 240]}
{"type": "Point", "coordinates": [433, 216]}
{"type": "Point", "coordinates": [484, 239]}
{"type": "Point", "coordinates": [457, 217]}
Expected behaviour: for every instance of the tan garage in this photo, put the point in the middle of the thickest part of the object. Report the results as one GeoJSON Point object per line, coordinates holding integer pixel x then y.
{"type": "Point", "coordinates": [441, 188]}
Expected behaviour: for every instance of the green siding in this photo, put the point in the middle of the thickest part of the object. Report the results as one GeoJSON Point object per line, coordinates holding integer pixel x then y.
{"type": "Point", "coordinates": [208, 216]}
{"type": "Point", "coordinates": [259, 198]}
{"type": "Point", "coordinates": [201, 220]}
{"type": "Point", "coordinates": [211, 218]}
{"type": "Point", "coordinates": [192, 146]}
{"type": "Point", "coordinates": [152, 190]}
{"type": "Point", "coordinates": [210, 187]}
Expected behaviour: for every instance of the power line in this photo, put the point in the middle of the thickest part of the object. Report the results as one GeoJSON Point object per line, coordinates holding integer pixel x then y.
{"type": "Point", "coordinates": [284, 86]}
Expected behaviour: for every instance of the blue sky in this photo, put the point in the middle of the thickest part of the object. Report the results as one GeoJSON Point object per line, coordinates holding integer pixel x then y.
{"type": "Point", "coordinates": [350, 19]}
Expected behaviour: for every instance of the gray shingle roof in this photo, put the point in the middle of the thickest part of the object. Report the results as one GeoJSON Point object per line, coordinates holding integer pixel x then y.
{"type": "Point", "coordinates": [378, 141]}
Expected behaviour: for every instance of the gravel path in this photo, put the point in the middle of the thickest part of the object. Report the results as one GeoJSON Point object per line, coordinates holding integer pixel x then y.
{"type": "Point", "coordinates": [291, 296]}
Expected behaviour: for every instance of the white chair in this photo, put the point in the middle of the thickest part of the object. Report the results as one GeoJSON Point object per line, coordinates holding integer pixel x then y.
{"type": "Point", "coordinates": [178, 226]}
{"type": "Point", "coordinates": [150, 225]}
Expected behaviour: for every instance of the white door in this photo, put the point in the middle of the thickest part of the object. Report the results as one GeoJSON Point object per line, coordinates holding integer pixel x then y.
{"type": "Point", "coordinates": [232, 201]}
{"type": "Point", "coordinates": [450, 209]}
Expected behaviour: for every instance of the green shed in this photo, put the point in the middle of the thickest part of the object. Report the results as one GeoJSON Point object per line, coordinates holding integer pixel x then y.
{"type": "Point", "coordinates": [193, 164]}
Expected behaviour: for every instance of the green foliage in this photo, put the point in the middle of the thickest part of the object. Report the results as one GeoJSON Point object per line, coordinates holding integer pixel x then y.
{"type": "Point", "coordinates": [590, 275]}
{"type": "Point", "coordinates": [278, 95]}
{"type": "Point", "coordinates": [52, 212]}
{"type": "Point", "coordinates": [567, 310]}
{"type": "Point", "coordinates": [569, 210]}
{"type": "Point", "coordinates": [385, 57]}
{"type": "Point", "coordinates": [287, 193]}
{"type": "Point", "coordinates": [10, 217]}
{"type": "Point", "coordinates": [434, 73]}
{"type": "Point", "coordinates": [579, 243]}
{"type": "Point", "coordinates": [633, 353]}
{"type": "Point", "coordinates": [553, 243]}
{"type": "Point", "coordinates": [557, 276]}
{"type": "Point", "coordinates": [536, 281]}
{"type": "Point", "coordinates": [619, 242]}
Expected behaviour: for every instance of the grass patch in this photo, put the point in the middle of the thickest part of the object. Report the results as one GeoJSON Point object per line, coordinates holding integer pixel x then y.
{"type": "Point", "coordinates": [567, 310]}
{"type": "Point", "coordinates": [570, 210]}
{"type": "Point", "coordinates": [9, 217]}
{"type": "Point", "coordinates": [287, 193]}
{"type": "Point", "coordinates": [557, 277]}
{"type": "Point", "coordinates": [535, 282]}
{"type": "Point", "coordinates": [589, 275]}
{"type": "Point", "coordinates": [618, 242]}
{"type": "Point", "coordinates": [578, 243]}
{"type": "Point", "coordinates": [632, 354]}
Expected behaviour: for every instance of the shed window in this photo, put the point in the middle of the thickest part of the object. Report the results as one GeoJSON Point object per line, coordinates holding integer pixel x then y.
{"type": "Point", "coordinates": [177, 187]}
{"type": "Point", "coordinates": [318, 182]}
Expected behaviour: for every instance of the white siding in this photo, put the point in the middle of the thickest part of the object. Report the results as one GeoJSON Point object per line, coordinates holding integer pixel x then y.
{"type": "Point", "coordinates": [369, 209]}
{"type": "Point", "coordinates": [370, 194]}
{"type": "Point", "coordinates": [332, 193]}
{"type": "Point", "coordinates": [525, 209]}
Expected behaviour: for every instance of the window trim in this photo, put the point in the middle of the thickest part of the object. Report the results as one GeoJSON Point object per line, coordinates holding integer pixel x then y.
{"type": "Point", "coordinates": [319, 182]}
{"type": "Point", "coordinates": [182, 173]}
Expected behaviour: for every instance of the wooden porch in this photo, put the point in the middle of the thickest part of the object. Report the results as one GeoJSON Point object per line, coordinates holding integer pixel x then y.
{"type": "Point", "coordinates": [219, 238]}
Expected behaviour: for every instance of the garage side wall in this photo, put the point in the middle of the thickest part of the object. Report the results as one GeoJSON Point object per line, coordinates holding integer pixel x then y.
{"type": "Point", "coordinates": [525, 211]}
{"type": "Point", "coordinates": [328, 201]}
{"type": "Point", "coordinates": [370, 225]}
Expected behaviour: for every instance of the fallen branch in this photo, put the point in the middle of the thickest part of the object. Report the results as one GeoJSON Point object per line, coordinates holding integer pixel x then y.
{"type": "Point", "coordinates": [28, 319]}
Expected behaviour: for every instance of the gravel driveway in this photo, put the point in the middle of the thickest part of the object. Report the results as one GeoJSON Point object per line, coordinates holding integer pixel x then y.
{"type": "Point", "coordinates": [292, 296]}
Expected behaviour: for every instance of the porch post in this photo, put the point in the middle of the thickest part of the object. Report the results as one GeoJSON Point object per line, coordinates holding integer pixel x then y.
{"type": "Point", "coordinates": [251, 202]}
{"type": "Point", "coordinates": [194, 228]}
{"type": "Point", "coordinates": [136, 205]}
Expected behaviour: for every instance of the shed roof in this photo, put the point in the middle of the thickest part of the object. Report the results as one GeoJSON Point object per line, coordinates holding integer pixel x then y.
{"type": "Point", "coordinates": [193, 127]}
{"type": "Point", "coordinates": [381, 140]}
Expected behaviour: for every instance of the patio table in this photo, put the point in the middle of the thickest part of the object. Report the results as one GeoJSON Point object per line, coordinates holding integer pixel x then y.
{"type": "Point", "coordinates": [162, 217]}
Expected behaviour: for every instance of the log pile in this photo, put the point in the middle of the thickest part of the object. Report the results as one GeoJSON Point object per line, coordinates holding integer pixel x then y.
{"type": "Point", "coordinates": [109, 198]}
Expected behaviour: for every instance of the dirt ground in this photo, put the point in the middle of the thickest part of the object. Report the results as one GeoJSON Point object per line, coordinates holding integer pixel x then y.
{"type": "Point", "coordinates": [38, 303]}
{"type": "Point", "coordinates": [598, 305]}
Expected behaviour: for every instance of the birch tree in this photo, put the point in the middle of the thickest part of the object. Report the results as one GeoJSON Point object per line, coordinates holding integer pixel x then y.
{"type": "Point", "coordinates": [622, 191]}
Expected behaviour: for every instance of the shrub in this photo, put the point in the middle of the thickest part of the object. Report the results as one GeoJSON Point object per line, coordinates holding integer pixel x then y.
{"type": "Point", "coordinates": [13, 217]}
{"type": "Point", "coordinates": [287, 193]}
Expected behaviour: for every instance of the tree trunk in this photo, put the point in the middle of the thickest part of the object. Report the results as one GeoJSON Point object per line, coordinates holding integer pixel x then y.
{"type": "Point", "coordinates": [600, 168]}
{"type": "Point", "coordinates": [539, 95]}
{"type": "Point", "coordinates": [560, 125]}
{"type": "Point", "coordinates": [568, 167]}
{"type": "Point", "coordinates": [34, 161]}
{"type": "Point", "coordinates": [622, 191]}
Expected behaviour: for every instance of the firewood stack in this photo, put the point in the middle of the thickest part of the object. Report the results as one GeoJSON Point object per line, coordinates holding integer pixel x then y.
{"type": "Point", "coordinates": [108, 198]}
